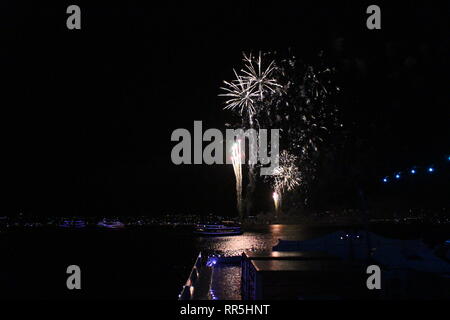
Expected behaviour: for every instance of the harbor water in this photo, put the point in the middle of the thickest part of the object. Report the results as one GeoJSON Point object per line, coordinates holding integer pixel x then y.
{"type": "Point", "coordinates": [139, 262]}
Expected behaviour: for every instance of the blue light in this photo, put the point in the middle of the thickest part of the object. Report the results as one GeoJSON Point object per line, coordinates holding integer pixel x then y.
{"type": "Point", "coordinates": [397, 176]}
{"type": "Point", "coordinates": [413, 171]}
{"type": "Point", "coordinates": [430, 169]}
{"type": "Point", "coordinates": [212, 261]}
{"type": "Point", "coordinates": [448, 158]}
{"type": "Point", "coordinates": [385, 180]}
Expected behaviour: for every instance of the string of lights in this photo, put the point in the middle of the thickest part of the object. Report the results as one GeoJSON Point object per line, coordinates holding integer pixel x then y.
{"type": "Point", "coordinates": [431, 169]}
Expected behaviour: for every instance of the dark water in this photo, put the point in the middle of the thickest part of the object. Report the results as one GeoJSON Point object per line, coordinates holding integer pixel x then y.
{"type": "Point", "coordinates": [137, 263]}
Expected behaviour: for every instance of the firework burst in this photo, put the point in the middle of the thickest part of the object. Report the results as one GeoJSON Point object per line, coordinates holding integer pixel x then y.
{"type": "Point", "coordinates": [258, 76]}
{"type": "Point", "coordinates": [299, 99]}
{"type": "Point", "coordinates": [246, 92]}
{"type": "Point", "coordinates": [286, 178]}
{"type": "Point", "coordinates": [287, 174]}
{"type": "Point", "coordinates": [241, 96]}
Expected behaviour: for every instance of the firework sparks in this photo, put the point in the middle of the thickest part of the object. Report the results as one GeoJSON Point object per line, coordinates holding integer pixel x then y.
{"type": "Point", "coordinates": [287, 174]}
{"type": "Point", "coordinates": [246, 92]}
{"type": "Point", "coordinates": [298, 99]}
{"type": "Point", "coordinates": [286, 177]}
{"type": "Point", "coordinates": [236, 158]}
{"type": "Point", "coordinates": [258, 76]}
{"type": "Point", "coordinates": [241, 96]}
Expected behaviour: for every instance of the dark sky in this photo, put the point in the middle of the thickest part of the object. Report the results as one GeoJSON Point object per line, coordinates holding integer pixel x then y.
{"type": "Point", "coordinates": [88, 114]}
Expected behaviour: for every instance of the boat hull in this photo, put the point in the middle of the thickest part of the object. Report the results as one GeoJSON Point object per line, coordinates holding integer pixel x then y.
{"type": "Point", "coordinates": [218, 234]}
{"type": "Point", "coordinates": [217, 230]}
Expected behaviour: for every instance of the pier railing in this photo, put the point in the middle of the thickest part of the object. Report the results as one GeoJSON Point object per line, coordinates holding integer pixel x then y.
{"type": "Point", "coordinates": [187, 293]}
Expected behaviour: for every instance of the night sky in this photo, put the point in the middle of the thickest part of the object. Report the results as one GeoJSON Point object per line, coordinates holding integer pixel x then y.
{"type": "Point", "coordinates": [87, 114]}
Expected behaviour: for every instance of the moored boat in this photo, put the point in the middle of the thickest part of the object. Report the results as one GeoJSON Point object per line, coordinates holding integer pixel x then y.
{"type": "Point", "coordinates": [111, 224]}
{"type": "Point", "coordinates": [73, 224]}
{"type": "Point", "coordinates": [217, 230]}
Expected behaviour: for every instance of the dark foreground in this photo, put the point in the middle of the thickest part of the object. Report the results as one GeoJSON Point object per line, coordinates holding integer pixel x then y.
{"type": "Point", "coordinates": [139, 262]}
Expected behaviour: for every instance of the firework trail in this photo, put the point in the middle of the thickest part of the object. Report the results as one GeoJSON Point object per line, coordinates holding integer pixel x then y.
{"type": "Point", "coordinates": [276, 201]}
{"type": "Point", "coordinates": [236, 158]}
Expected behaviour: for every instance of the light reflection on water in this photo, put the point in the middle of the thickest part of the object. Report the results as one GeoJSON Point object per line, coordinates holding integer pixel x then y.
{"type": "Point", "coordinates": [226, 283]}
{"type": "Point", "coordinates": [264, 237]}
{"type": "Point", "coordinates": [256, 238]}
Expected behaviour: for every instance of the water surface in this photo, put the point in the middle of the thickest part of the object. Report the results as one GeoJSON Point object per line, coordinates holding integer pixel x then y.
{"type": "Point", "coordinates": [138, 262]}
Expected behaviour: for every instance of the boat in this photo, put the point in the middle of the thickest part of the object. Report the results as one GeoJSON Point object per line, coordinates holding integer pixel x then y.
{"type": "Point", "coordinates": [217, 230]}
{"type": "Point", "coordinates": [72, 224]}
{"type": "Point", "coordinates": [443, 250]}
{"type": "Point", "coordinates": [111, 224]}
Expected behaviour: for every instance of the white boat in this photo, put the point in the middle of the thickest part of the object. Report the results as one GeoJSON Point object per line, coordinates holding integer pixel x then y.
{"type": "Point", "coordinates": [111, 224]}
{"type": "Point", "coordinates": [73, 224]}
{"type": "Point", "coordinates": [217, 230]}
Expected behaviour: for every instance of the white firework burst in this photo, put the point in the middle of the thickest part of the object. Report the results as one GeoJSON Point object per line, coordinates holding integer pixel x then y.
{"type": "Point", "coordinates": [241, 96]}
{"type": "Point", "coordinates": [287, 175]}
{"type": "Point", "coordinates": [258, 76]}
{"type": "Point", "coordinates": [246, 92]}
